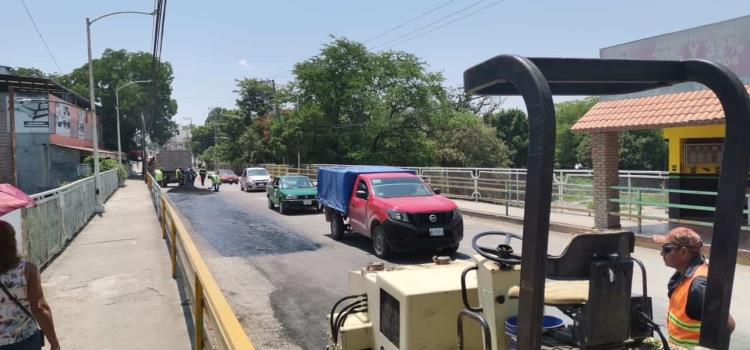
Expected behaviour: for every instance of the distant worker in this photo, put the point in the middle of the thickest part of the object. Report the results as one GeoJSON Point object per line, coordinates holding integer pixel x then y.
{"type": "Point", "coordinates": [202, 173]}
{"type": "Point", "coordinates": [160, 177]}
{"type": "Point", "coordinates": [215, 182]}
{"type": "Point", "coordinates": [681, 250]}
{"type": "Point", "coordinates": [178, 176]}
{"type": "Point", "coordinates": [25, 316]}
{"type": "Point", "coordinates": [191, 177]}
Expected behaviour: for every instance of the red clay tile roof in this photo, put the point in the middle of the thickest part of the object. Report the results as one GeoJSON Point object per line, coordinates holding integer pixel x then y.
{"type": "Point", "coordinates": [655, 112]}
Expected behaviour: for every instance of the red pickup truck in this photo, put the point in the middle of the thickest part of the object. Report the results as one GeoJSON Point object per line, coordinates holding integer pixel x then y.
{"type": "Point", "coordinates": [392, 206]}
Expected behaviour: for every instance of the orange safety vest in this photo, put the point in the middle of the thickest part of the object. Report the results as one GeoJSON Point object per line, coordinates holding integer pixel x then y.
{"type": "Point", "coordinates": [683, 330]}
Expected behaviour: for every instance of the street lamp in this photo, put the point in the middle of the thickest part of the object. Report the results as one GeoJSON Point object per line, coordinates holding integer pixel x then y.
{"type": "Point", "coordinates": [117, 108]}
{"type": "Point", "coordinates": [99, 208]}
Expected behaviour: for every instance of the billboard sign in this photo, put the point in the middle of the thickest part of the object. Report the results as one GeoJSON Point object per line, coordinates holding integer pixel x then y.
{"type": "Point", "coordinates": [31, 112]}
{"type": "Point", "coordinates": [727, 43]}
{"type": "Point", "coordinates": [62, 120]}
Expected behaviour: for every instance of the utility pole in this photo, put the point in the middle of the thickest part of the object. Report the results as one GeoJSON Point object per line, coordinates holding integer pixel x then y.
{"type": "Point", "coordinates": [144, 155]}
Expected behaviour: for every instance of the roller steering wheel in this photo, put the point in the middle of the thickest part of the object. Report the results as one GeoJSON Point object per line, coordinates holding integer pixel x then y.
{"type": "Point", "coordinates": [503, 253]}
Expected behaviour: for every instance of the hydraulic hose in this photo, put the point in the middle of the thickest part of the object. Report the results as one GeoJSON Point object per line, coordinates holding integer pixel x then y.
{"type": "Point", "coordinates": [333, 310]}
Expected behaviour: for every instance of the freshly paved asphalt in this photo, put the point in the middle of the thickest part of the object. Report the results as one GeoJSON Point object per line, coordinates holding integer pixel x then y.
{"type": "Point", "coordinates": [282, 273]}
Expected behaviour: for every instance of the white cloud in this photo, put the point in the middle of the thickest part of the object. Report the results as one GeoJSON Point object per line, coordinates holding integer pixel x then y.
{"type": "Point", "coordinates": [243, 62]}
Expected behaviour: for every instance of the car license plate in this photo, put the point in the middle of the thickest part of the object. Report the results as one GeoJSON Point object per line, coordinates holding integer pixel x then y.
{"type": "Point", "coordinates": [307, 202]}
{"type": "Point", "coordinates": [437, 232]}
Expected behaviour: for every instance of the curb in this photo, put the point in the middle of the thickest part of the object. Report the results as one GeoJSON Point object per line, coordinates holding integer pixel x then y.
{"type": "Point", "coordinates": [743, 256]}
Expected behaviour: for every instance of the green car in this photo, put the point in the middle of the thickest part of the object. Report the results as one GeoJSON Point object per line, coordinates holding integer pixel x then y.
{"type": "Point", "coordinates": [292, 191]}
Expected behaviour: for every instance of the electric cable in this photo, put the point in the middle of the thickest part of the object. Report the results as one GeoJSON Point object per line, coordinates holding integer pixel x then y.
{"type": "Point", "coordinates": [39, 32]}
{"type": "Point", "coordinates": [409, 21]}
{"type": "Point", "coordinates": [387, 45]}
{"type": "Point", "coordinates": [333, 309]}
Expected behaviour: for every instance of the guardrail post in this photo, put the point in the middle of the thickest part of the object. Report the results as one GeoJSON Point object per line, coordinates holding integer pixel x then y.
{"type": "Point", "coordinates": [163, 220]}
{"type": "Point", "coordinates": [173, 248]}
{"type": "Point", "coordinates": [639, 208]}
{"type": "Point", "coordinates": [507, 200]}
{"type": "Point", "coordinates": [198, 314]}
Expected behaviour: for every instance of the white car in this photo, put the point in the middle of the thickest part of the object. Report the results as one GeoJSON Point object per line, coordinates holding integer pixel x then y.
{"type": "Point", "coordinates": [254, 179]}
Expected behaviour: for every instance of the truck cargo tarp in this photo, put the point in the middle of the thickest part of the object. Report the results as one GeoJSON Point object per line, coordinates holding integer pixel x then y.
{"type": "Point", "coordinates": [335, 184]}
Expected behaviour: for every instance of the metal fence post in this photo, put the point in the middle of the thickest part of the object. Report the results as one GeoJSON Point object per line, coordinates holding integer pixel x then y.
{"type": "Point", "coordinates": [639, 208]}
{"type": "Point", "coordinates": [507, 201]}
{"type": "Point", "coordinates": [630, 199]}
{"type": "Point", "coordinates": [198, 314]}
{"type": "Point", "coordinates": [561, 192]}
{"type": "Point", "coordinates": [748, 209]}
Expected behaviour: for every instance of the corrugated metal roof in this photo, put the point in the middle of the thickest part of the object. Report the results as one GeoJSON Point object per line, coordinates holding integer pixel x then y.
{"type": "Point", "coordinates": [655, 112]}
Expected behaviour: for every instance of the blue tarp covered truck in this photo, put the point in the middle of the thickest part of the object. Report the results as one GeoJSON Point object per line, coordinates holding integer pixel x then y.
{"type": "Point", "coordinates": [393, 206]}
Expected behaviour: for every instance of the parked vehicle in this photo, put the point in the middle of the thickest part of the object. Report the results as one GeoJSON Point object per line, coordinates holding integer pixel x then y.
{"type": "Point", "coordinates": [392, 206]}
{"type": "Point", "coordinates": [254, 178]}
{"type": "Point", "coordinates": [228, 176]}
{"type": "Point", "coordinates": [292, 191]}
{"type": "Point", "coordinates": [171, 160]}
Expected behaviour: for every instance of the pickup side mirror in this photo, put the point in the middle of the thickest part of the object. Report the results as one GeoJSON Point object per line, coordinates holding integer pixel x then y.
{"type": "Point", "coordinates": [361, 194]}
{"type": "Point", "coordinates": [437, 191]}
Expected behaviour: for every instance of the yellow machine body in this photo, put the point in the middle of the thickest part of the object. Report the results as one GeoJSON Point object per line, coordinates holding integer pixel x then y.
{"type": "Point", "coordinates": [493, 285]}
{"type": "Point", "coordinates": [419, 309]}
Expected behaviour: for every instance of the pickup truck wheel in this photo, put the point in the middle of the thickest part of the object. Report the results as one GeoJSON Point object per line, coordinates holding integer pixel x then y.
{"type": "Point", "coordinates": [379, 244]}
{"type": "Point", "coordinates": [337, 227]}
{"type": "Point", "coordinates": [270, 204]}
{"type": "Point", "coordinates": [282, 209]}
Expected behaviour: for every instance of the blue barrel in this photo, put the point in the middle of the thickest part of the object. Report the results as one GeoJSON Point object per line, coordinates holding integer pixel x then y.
{"type": "Point", "coordinates": [511, 328]}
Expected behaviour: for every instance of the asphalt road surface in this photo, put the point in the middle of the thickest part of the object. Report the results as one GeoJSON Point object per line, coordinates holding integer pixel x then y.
{"type": "Point", "coordinates": [282, 273]}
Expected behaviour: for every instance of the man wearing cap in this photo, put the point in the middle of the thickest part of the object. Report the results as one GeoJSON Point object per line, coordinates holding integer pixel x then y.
{"type": "Point", "coordinates": [681, 250]}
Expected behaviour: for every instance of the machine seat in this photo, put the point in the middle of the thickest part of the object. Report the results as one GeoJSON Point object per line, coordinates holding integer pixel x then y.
{"type": "Point", "coordinates": [559, 293]}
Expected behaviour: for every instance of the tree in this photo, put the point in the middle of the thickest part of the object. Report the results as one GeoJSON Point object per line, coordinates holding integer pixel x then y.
{"type": "Point", "coordinates": [114, 69]}
{"type": "Point", "coordinates": [512, 127]}
{"type": "Point", "coordinates": [568, 113]}
{"type": "Point", "coordinates": [33, 73]}
{"type": "Point", "coordinates": [367, 107]}
{"type": "Point", "coordinates": [639, 150]}
{"type": "Point", "coordinates": [257, 97]}
{"type": "Point", "coordinates": [468, 142]}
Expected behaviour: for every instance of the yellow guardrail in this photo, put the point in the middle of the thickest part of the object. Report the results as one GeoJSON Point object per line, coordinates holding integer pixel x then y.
{"type": "Point", "coordinates": [209, 302]}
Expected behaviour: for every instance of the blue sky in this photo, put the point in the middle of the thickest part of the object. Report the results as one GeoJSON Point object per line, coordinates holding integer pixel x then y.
{"type": "Point", "coordinates": [210, 46]}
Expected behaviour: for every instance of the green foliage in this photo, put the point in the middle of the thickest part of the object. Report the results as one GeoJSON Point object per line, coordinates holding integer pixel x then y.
{"type": "Point", "coordinates": [113, 70]}
{"type": "Point", "coordinates": [568, 113]}
{"type": "Point", "coordinates": [468, 142]}
{"type": "Point", "coordinates": [257, 97]}
{"type": "Point", "coordinates": [512, 127]}
{"type": "Point", "coordinates": [639, 150]}
{"type": "Point", "coordinates": [106, 164]}
{"type": "Point", "coordinates": [33, 73]}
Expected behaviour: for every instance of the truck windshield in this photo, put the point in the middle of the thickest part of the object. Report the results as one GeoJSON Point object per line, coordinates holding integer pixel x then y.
{"type": "Point", "coordinates": [257, 172]}
{"type": "Point", "coordinates": [296, 182]}
{"type": "Point", "coordinates": [400, 187]}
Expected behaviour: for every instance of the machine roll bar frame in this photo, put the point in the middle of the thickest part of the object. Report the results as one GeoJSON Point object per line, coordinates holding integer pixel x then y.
{"type": "Point", "coordinates": [536, 80]}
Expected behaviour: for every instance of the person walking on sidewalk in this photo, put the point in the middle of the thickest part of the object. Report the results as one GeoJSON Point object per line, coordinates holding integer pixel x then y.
{"type": "Point", "coordinates": [202, 173]}
{"type": "Point", "coordinates": [681, 250]}
{"type": "Point", "coordinates": [25, 316]}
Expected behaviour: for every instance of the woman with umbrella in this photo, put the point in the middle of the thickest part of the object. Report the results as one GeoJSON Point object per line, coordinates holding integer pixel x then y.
{"type": "Point", "coordinates": [25, 316]}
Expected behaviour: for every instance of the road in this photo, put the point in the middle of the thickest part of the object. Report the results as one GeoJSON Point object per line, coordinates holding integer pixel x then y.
{"type": "Point", "coordinates": [282, 273]}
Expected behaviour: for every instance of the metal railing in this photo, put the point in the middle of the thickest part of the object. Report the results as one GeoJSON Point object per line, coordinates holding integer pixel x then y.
{"type": "Point", "coordinates": [649, 198]}
{"type": "Point", "coordinates": [59, 214]}
{"type": "Point", "coordinates": [572, 190]}
{"type": "Point", "coordinates": [209, 304]}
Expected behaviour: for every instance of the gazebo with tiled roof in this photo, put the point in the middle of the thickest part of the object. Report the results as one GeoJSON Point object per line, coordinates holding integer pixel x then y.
{"type": "Point", "coordinates": [693, 122]}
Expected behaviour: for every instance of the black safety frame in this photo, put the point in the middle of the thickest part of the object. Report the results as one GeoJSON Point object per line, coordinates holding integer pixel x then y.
{"type": "Point", "coordinates": [536, 80]}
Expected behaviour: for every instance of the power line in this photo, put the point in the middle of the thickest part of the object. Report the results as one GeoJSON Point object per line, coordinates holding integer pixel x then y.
{"type": "Point", "coordinates": [409, 21]}
{"type": "Point", "coordinates": [41, 36]}
{"type": "Point", "coordinates": [432, 23]}
{"type": "Point", "coordinates": [446, 24]}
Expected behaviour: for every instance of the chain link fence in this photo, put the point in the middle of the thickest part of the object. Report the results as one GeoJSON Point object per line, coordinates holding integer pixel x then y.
{"type": "Point", "coordinates": [60, 214]}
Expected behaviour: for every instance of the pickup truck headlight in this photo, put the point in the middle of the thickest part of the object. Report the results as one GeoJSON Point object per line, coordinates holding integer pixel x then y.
{"type": "Point", "coordinates": [398, 215]}
{"type": "Point", "coordinates": [456, 213]}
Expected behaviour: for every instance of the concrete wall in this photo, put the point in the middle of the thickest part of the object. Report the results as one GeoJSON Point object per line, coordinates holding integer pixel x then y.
{"type": "Point", "coordinates": [42, 166]}
{"type": "Point", "coordinates": [6, 156]}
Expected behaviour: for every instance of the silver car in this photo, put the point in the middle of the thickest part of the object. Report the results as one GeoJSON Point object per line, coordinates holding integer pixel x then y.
{"type": "Point", "coordinates": [254, 179]}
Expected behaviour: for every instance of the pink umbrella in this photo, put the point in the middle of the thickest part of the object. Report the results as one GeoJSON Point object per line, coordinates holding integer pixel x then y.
{"type": "Point", "coordinates": [11, 198]}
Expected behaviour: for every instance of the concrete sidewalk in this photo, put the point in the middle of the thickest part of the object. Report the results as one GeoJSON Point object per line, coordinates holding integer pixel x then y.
{"type": "Point", "coordinates": [112, 287]}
